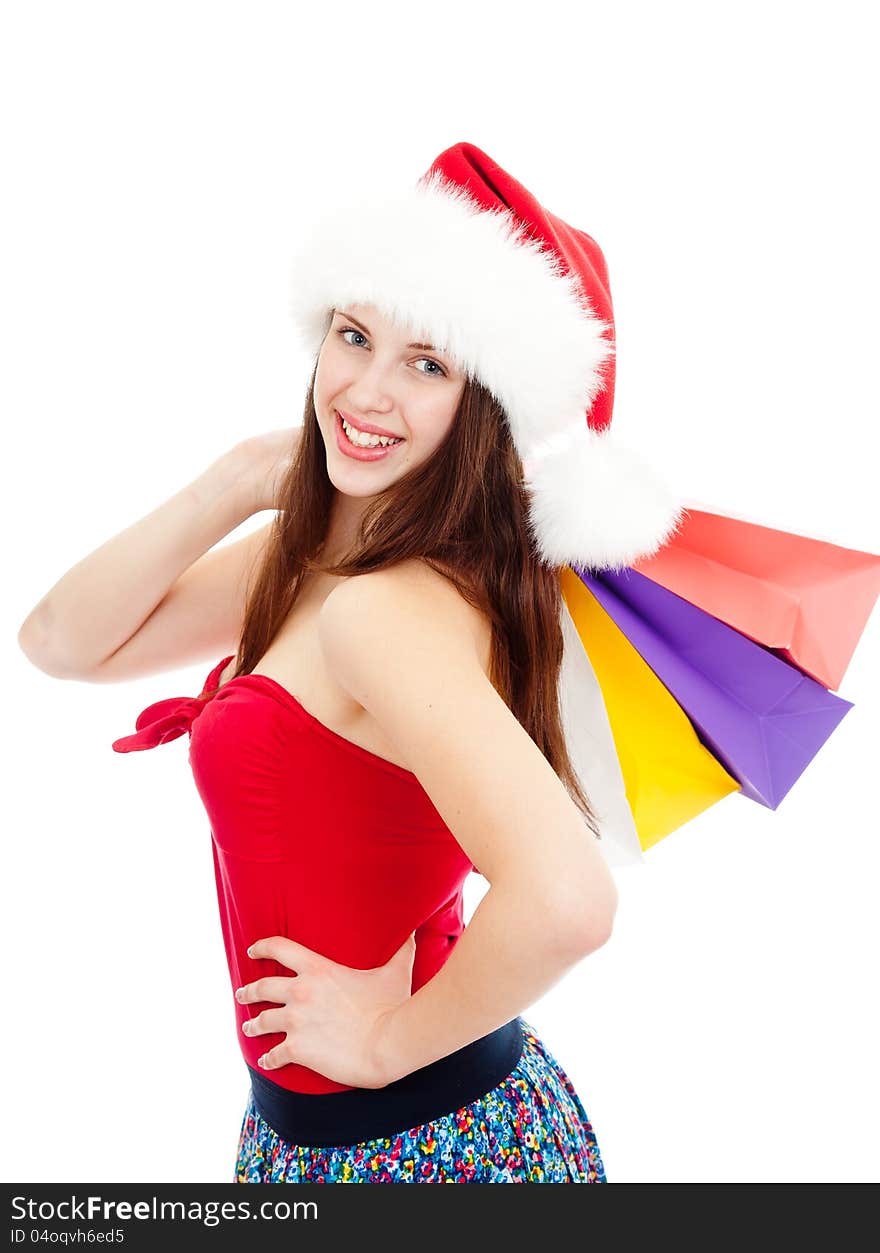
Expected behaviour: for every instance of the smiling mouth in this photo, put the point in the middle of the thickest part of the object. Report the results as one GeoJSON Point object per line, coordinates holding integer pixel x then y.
{"type": "Point", "coordinates": [389, 441]}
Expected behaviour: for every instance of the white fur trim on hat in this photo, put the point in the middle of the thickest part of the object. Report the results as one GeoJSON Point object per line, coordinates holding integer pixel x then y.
{"type": "Point", "coordinates": [467, 280]}
{"type": "Point", "coordinates": [595, 502]}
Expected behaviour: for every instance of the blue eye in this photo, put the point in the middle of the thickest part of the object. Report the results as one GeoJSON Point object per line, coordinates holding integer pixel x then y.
{"type": "Point", "coordinates": [349, 330]}
{"type": "Point", "coordinates": [439, 372]}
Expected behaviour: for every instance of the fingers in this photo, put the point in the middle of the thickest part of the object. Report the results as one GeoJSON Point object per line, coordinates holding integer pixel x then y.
{"type": "Point", "coordinates": [267, 1022]}
{"type": "Point", "coordinates": [285, 951]}
{"type": "Point", "coordinates": [273, 988]}
{"type": "Point", "coordinates": [278, 1056]}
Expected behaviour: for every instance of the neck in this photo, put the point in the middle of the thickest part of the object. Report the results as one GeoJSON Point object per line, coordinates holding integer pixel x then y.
{"type": "Point", "coordinates": [345, 518]}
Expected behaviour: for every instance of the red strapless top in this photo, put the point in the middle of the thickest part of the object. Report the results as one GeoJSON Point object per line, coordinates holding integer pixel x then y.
{"type": "Point", "coordinates": [314, 838]}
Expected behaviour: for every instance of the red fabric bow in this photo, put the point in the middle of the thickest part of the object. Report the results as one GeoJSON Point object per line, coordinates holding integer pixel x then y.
{"type": "Point", "coordinates": [165, 720]}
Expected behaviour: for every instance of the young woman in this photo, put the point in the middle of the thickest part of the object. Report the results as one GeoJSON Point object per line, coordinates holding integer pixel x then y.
{"type": "Point", "coordinates": [388, 720]}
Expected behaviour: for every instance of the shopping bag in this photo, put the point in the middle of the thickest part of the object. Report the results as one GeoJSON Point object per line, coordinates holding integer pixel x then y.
{"type": "Point", "coordinates": [669, 775]}
{"type": "Point", "coordinates": [760, 716]}
{"type": "Point", "coordinates": [807, 599]}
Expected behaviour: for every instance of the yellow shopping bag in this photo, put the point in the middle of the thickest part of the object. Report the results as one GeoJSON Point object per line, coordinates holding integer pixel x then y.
{"type": "Point", "coordinates": [669, 775]}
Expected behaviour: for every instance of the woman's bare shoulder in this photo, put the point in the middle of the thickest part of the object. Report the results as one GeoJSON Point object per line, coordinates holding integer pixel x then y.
{"type": "Point", "coordinates": [439, 583]}
{"type": "Point", "coordinates": [440, 593]}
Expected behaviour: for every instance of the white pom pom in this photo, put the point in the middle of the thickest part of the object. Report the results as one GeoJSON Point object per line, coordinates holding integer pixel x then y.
{"type": "Point", "coordinates": [595, 502]}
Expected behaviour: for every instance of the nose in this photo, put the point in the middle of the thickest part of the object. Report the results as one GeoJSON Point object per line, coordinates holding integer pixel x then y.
{"type": "Point", "coordinates": [371, 390]}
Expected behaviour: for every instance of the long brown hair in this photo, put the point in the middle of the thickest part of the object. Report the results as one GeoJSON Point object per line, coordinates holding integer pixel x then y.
{"type": "Point", "coordinates": [475, 533]}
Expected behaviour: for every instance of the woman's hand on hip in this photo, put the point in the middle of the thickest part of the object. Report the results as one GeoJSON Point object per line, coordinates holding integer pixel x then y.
{"type": "Point", "coordinates": [332, 1015]}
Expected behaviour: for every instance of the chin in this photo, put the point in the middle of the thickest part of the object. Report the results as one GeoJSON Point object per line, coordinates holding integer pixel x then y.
{"type": "Point", "coordinates": [361, 492]}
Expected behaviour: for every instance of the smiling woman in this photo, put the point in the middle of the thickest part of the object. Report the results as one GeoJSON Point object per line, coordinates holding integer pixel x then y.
{"type": "Point", "coordinates": [390, 719]}
{"type": "Point", "coordinates": [411, 402]}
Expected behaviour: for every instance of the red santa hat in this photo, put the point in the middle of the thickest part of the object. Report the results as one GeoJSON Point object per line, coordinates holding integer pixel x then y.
{"type": "Point", "coordinates": [470, 261]}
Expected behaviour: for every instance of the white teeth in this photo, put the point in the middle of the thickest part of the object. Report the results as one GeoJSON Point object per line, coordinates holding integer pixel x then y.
{"type": "Point", "coordinates": [364, 440]}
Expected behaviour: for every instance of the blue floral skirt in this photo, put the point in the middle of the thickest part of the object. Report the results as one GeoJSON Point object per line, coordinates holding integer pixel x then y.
{"type": "Point", "coordinates": [531, 1128]}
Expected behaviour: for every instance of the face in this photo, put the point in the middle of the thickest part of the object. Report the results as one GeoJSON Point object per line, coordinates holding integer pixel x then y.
{"type": "Point", "coordinates": [372, 374]}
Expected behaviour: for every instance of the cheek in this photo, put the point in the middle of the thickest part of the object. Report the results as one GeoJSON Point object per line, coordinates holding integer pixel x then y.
{"type": "Point", "coordinates": [323, 398]}
{"type": "Point", "coordinates": [430, 429]}
{"type": "Point", "coordinates": [328, 376]}
{"type": "Point", "coordinates": [321, 383]}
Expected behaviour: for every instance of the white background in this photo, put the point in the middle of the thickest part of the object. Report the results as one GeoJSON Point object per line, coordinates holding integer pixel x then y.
{"type": "Point", "coordinates": [159, 160]}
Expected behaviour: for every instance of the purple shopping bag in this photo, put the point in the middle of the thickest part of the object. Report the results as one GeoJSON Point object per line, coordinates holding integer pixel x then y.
{"type": "Point", "coordinates": [762, 718]}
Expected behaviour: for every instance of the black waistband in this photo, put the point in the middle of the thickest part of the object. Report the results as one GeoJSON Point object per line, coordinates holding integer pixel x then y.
{"type": "Point", "coordinates": [324, 1119]}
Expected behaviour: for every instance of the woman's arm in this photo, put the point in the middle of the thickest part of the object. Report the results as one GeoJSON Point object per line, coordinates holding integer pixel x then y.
{"type": "Point", "coordinates": [103, 601]}
{"type": "Point", "coordinates": [552, 898]}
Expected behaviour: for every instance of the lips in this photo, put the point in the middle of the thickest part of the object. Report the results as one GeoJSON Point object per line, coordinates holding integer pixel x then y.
{"type": "Point", "coordinates": [367, 427]}
{"type": "Point", "coordinates": [357, 452]}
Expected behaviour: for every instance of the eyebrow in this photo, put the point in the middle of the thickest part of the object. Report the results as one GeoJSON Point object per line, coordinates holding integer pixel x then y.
{"type": "Point", "coordinates": [360, 325]}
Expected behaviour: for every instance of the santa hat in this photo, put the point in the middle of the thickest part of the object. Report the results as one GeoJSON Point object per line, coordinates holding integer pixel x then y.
{"type": "Point", "coordinates": [470, 261]}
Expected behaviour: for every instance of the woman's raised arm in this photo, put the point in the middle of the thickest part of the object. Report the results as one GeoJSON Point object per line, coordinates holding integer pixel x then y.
{"type": "Point", "coordinates": [153, 598]}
